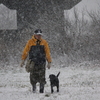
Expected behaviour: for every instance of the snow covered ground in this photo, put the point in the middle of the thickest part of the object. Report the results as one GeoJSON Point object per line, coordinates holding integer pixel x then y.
{"type": "Point", "coordinates": [77, 82]}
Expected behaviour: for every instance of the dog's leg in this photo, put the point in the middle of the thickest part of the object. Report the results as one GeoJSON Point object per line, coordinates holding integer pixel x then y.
{"type": "Point", "coordinates": [52, 89]}
{"type": "Point", "coordinates": [58, 88]}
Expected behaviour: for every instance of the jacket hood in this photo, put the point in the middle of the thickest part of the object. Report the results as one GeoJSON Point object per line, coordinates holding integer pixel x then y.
{"type": "Point", "coordinates": [34, 39]}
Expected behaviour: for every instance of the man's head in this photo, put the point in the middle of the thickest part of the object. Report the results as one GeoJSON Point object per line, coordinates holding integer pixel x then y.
{"type": "Point", "coordinates": [38, 34]}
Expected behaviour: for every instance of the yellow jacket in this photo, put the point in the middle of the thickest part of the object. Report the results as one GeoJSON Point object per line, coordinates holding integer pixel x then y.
{"type": "Point", "coordinates": [32, 42]}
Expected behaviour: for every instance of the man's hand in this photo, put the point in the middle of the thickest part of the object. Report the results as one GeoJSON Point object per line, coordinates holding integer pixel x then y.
{"type": "Point", "coordinates": [49, 65]}
{"type": "Point", "coordinates": [22, 63]}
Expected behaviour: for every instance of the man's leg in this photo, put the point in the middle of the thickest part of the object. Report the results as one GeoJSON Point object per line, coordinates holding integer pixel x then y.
{"type": "Point", "coordinates": [34, 88]}
{"type": "Point", "coordinates": [41, 87]}
{"type": "Point", "coordinates": [42, 78]}
{"type": "Point", "coordinates": [33, 82]}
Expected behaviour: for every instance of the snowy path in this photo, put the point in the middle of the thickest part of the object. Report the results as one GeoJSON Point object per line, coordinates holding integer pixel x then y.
{"type": "Point", "coordinates": [76, 83]}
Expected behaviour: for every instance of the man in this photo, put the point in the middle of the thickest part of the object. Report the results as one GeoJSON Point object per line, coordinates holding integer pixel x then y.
{"type": "Point", "coordinates": [38, 51]}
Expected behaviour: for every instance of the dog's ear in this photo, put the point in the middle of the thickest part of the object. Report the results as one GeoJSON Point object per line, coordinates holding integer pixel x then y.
{"type": "Point", "coordinates": [49, 76]}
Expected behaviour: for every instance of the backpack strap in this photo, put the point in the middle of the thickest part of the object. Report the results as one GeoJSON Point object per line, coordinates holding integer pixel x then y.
{"type": "Point", "coordinates": [38, 42]}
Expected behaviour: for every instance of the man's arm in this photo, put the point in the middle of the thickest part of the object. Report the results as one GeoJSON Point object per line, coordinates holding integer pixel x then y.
{"type": "Point", "coordinates": [24, 54]}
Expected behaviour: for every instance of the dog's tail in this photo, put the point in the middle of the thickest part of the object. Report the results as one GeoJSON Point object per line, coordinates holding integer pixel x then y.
{"type": "Point", "coordinates": [58, 74]}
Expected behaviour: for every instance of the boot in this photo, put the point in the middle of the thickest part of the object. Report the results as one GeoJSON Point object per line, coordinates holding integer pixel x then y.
{"type": "Point", "coordinates": [34, 88]}
{"type": "Point", "coordinates": [41, 88]}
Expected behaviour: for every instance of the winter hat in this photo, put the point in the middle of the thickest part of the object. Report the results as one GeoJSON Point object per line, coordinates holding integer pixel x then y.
{"type": "Point", "coordinates": [38, 32]}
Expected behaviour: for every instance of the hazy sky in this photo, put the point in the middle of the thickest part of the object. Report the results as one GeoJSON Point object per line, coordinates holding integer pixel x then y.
{"type": "Point", "coordinates": [85, 5]}
{"type": "Point", "coordinates": [89, 4]}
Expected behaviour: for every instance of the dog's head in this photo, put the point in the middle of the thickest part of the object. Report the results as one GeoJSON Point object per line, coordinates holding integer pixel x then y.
{"type": "Point", "coordinates": [52, 76]}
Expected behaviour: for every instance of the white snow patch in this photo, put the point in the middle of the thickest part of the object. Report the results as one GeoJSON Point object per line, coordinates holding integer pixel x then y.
{"type": "Point", "coordinates": [77, 82]}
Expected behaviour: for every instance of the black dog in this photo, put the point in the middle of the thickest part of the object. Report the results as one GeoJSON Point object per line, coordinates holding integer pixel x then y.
{"type": "Point", "coordinates": [54, 82]}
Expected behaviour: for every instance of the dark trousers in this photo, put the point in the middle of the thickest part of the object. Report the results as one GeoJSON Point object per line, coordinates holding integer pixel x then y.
{"type": "Point", "coordinates": [37, 74]}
